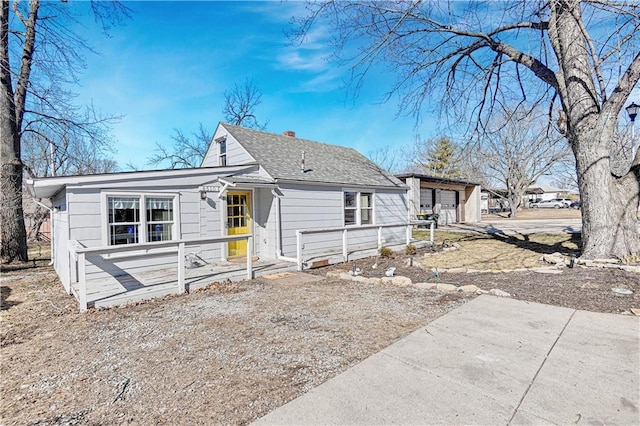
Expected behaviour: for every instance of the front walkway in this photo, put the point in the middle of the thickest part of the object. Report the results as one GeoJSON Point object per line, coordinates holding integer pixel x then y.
{"type": "Point", "coordinates": [490, 361]}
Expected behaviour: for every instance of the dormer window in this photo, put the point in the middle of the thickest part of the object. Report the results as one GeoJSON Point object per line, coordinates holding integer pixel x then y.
{"type": "Point", "coordinates": [223, 152]}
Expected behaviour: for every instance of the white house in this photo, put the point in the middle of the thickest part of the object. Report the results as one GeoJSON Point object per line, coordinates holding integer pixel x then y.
{"type": "Point", "coordinates": [291, 199]}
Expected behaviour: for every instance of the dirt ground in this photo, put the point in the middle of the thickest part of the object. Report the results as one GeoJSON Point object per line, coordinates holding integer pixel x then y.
{"type": "Point", "coordinates": [233, 352]}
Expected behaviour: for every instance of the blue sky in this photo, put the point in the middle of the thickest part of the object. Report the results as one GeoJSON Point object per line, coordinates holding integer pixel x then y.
{"type": "Point", "coordinates": [169, 66]}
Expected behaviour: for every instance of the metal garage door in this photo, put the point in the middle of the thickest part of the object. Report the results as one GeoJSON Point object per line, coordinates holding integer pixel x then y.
{"type": "Point", "coordinates": [426, 200]}
{"type": "Point", "coordinates": [448, 207]}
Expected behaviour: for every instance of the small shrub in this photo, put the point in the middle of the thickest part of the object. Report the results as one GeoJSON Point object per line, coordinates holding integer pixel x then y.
{"type": "Point", "coordinates": [411, 250]}
{"type": "Point", "coordinates": [386, 252]}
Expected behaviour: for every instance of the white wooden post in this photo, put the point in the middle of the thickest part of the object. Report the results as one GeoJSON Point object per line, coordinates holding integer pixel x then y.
{"type": "Point", "coordinates": [82, 282]}
{"type": "Point", "coordinates": [432, 231]}
{"type": "Point", "coordinates": [345, 252]}
{"type": "Point", "coordinates": [379, 237]}
{"type": "Point", "coordinates": [181, 286]}
{"type": "Point", "coordinates": [408, 234]}
{"type": "Point", "coordinates": [249, 258]}
{"type": "Point", "coordinates": [299, 249]}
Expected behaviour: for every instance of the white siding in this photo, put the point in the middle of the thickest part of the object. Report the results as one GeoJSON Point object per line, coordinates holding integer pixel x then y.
{"type": "Point", "coordinates": [61, 261]}
{"type": "Point", "coordinates": [236, 154]}
{"type": "Point", "coordinates": [87, 224]}
{"type": "Point", "coordinates": [391, 206]}
{"type": "Point", "coordinates": [309, 207]}
{"type": "Point", "coordinates": [306, 207]}
{"type": "Point", "coordinates": [264, 223]}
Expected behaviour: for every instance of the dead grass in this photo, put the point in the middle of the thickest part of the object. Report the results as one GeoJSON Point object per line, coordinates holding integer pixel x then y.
{"type": "Point", "coordinates": [497, 252]}
{"type": "Point", "coordinates": [532, 214]}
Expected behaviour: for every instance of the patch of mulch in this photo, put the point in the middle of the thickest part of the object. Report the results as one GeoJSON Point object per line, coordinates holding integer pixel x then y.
{"type": "Point", "coordinates": [584, 288]}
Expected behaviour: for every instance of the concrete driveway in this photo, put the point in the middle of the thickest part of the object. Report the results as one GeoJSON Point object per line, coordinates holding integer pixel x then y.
{"type": "Point", "coordinates": [491, 361]}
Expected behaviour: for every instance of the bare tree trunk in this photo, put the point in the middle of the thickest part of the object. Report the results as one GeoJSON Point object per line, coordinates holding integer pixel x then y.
{"type": "Point", "coordinates": [13, 236]}
{"type": "Point", "coordinates": [38, 217]}
{"type": "Point", "coordinates": [609, 211]}
{"type": "Point", "coordinates": [610, 203]}
{"type": "Point", "coordinates": [515, 200]}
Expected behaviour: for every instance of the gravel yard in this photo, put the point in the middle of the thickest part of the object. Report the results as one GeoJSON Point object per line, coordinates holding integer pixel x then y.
{"type": "Point", "coordinates": [233, 352]}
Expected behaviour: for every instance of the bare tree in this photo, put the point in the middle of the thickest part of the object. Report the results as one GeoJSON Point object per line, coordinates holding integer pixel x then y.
{"type": "Point", "coordinates": [59, 155]}
{"type": "Point", "coordinates": [240, 105]}
{"type": "Point", "coordinates": [579, 56]}
{"type": "Point", "coordinates": [387, 158]}
{"type": "Point", "coordinates": [39, 57]}
{"type": "Point", "coordinates": [516, 150]}
{"type": "Point", "coordinates": [185, 152]}
{"type": "Point", "coordinates": [239, 109]}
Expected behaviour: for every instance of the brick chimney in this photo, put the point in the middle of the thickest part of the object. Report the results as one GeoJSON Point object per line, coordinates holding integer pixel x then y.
{"type": "Point", "coordinates": [289, 133]}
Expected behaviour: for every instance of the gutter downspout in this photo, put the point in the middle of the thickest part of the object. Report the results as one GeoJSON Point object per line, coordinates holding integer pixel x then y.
{"type": "Point", "coordinates": [277, 195]}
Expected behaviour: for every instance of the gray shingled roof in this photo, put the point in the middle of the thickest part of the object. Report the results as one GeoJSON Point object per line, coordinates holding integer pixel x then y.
{"type": "Point", "coordinates": [281, 156]}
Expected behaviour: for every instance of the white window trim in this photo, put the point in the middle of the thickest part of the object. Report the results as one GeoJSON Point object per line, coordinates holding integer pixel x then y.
{"type": "Point", "coordinates": [221, 155]}
{"type": "Point", "coordinates": [142, 233]}
{"type": "Point", "coordinates": [358, 208]}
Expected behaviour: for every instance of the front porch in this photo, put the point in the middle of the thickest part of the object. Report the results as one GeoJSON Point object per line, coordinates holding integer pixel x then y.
{"type": "Point", "coordinates": [134, 287]}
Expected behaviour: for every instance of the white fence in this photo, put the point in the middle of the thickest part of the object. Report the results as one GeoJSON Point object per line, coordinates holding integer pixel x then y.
{"type": "Point", "coordinates": [345, 230]}
{"type": "Point", "coordinates": [79, 253]}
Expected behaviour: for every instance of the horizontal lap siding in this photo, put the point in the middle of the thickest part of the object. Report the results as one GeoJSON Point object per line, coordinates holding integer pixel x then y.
{"type": "Point", "coordinates": [391, 207]}
{"type": "Point", "coordinates": [87, 223]}
{"type": "Point", "coordinates": [61, 259]}
{"type": "Point", "coordinates": [318, 207]}
{"type": "Point", "coordinates": [308, 207]}
{"type": "Point", "coordinates": [264, 226]}
{"type": "Point", "coordinates": [362, 238]}
{"type": "Point", "coordinates": [210, 211]}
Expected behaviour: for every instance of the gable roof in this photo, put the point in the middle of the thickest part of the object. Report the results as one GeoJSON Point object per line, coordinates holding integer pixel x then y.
{"type": "Point", "coordinates": [281, 158]}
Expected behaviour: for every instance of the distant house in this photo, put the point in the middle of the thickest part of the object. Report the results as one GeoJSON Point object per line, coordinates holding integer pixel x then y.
{"type": "Point", "coordinates": [544, 192]}
{"type": "Point", "coordinates": [455, 201]}
{"type": "Point", "coordinates": [301, 201]}
{"type": "Point", "coordinates": [495, 199]}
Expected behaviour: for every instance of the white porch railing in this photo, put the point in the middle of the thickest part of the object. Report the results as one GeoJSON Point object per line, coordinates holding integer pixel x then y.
{"type": "Point", "coordinates": [346, 229]}
{"type": "Point", "coordinates": [79, 252]}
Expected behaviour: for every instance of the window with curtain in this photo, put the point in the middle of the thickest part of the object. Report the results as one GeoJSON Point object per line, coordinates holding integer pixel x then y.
{"type": "Point", "coordinates": [124, 220]}
{"type": "Point", "coordinates": [159, 218]}
{"type": "Point", "coordinates": [140, 218]}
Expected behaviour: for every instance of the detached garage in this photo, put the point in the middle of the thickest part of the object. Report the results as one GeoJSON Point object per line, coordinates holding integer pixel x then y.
{"type": "Point", "coordinates": [456, 201]}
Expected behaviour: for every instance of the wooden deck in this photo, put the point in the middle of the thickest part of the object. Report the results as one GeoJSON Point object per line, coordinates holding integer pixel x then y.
{"type": "Point", "coordinates": [131, 288]}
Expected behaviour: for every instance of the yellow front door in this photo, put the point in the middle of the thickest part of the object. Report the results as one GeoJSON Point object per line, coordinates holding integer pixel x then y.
{"type": "Point", "coordinates": [238, 220]}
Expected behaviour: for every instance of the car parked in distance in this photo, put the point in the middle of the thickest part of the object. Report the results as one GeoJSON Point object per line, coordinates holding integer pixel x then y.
{"type": "Point", "coordinates": [548, 204]}
{"type": "Point", "coordinates": [576, 204]}
{"type": "Point", "coordinates": [566, 201]}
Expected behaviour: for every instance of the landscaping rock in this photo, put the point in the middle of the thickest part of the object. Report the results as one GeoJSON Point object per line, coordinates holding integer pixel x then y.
{"type": "Point", "coordinates": [547, 270]}
{"type": "Point", "coordinates": [401, 281]}
{"type": "Point", "coordinates": [606, 260]}
{"type": "Point", "coordinates": [470, 288]}
{"type": "Point", "coordinates": [554, 259]}
{"type": "Point", "coordinates": [446, 288]}
{"type": "Point", "coordinates": [425, 286]}
{"type": "Point", "coordinates": [499, 293]}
